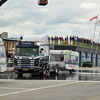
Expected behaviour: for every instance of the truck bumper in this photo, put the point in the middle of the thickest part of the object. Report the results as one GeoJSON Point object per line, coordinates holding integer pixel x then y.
{"type": "Point", "coordinates": [35, 70]}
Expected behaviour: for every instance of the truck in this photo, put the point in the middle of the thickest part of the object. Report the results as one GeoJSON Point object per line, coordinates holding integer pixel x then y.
{"type": "Point", "coordinates": [3, 67]}
{"type": "Point", "coordinates": [32, 55]}
{"type": "Point", "coordinates": [63, 60]}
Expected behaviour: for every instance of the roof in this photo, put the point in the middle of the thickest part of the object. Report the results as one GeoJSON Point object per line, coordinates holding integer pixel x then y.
{"type": "Point", "coordinates": [40, 38]}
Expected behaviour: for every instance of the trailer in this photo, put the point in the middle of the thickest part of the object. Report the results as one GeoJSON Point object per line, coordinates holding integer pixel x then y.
{"type": "Point", "coordinates": [63, 60]}
{"type": "Point", "coordinates": [3, 67]}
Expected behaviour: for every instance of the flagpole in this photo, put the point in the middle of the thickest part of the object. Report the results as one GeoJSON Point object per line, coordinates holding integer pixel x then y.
{"type": "Point", "coordinates": [94, 34]}
{"type": "Point", "coordinates": [98, 42]}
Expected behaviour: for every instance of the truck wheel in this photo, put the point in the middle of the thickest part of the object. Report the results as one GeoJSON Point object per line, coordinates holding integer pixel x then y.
{"type": "Point", "coordinates": [19, 75]}
{"type": "Point", "coordinates": [70, 71]}
{"type": "Point", "coordinates": [44, 70]}
{"type": "Point", "coordinates": [56, 70]}
{"type": "Point", "coordinates": [90, 65]}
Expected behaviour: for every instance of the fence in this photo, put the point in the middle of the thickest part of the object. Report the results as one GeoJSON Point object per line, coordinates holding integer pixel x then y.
{"type": "Point", "coordinates": [73, 43]}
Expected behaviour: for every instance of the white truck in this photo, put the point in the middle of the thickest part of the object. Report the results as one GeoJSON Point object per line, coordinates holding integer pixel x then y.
{"type": "Point", "coordinates": [3, 67]}
{"type": "Point", "coordinates": [63, 60]}
{"type": "Point", "coordinates": [32, 55]}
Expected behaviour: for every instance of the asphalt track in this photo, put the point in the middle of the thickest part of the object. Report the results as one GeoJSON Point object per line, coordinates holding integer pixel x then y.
{"type": "Point", "coordinates": [18, 89]}
{"type": "Point", "coordinates": [49, 90]}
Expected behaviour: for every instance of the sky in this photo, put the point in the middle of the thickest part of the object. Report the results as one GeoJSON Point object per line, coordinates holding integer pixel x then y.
{"type": "Point", "coordinates": [58, 18]}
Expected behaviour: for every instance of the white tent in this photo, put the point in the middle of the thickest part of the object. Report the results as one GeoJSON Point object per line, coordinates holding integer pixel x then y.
{"type": "Point", "coordinates": [40, 38]}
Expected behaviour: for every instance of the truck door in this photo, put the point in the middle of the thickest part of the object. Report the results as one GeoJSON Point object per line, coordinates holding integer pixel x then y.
{"type": "Point", "coordinates": [62, 63]}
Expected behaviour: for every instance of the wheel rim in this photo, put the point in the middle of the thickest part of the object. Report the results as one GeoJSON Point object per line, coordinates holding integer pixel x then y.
{"type": "Point", "coordinates": [56, 69]}
{"type": "Point", "coordinates": [44, 70]}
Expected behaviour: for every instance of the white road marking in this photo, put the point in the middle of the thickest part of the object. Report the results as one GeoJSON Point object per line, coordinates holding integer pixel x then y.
{"type": "Point", "coordinates": [37, 89]}
{"type": "Point", "coordinates": [89, 73]}
{"type": "Point", "coordinates": [12, 88]}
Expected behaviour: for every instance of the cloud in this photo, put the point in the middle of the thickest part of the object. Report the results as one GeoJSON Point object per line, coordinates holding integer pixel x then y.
{"type": "Point", "coordinates": [57, 18]}
{"type": "Point", "coordinates": [89, 5]}
{"type": "Point", "coordinates": [13, 14]}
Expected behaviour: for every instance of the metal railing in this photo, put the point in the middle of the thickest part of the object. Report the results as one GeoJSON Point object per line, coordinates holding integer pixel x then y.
{"type": "Point", "coordinates": [73, 43]}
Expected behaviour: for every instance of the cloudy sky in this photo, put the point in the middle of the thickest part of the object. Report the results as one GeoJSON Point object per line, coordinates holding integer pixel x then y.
{"type": "Point", "coordinates": [59, 17]}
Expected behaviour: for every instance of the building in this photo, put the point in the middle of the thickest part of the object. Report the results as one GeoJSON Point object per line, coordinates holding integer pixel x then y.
{"type": "Point", "coordinates": [9, 43]}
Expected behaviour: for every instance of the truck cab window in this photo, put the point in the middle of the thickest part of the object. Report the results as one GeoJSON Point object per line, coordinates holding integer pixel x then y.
{"type": "Point", "coordinates": [62, 58]}
{"type": "Point", "coordinates": [33, 52]}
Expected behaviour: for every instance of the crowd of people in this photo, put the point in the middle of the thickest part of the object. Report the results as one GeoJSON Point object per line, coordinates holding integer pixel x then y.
{"type": "Point", "coordinates": [74, 38]}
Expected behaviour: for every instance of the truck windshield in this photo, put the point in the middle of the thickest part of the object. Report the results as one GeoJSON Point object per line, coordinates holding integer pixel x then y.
{"type": "Point", "coordinates": [33, 52]}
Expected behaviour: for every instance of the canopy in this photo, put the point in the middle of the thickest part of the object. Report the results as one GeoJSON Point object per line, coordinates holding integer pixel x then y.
{"type": "Point", "coordinates": [39, 38]}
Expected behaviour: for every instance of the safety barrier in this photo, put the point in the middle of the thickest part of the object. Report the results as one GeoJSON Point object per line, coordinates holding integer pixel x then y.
{"type": "Point", "coordinates": [63, 42]}
{"type": "Point", "coordinates": [74, 43]}
{"type": "Point", "coordinates": [88, 46]}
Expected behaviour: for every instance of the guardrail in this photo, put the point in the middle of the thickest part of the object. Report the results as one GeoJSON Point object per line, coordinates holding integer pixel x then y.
{"type": "Point", "coordinates": [73, 43]}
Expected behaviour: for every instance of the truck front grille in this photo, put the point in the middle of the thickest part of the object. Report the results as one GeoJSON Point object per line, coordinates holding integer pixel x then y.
{"type": "Point", "coordinates": [25, 63]}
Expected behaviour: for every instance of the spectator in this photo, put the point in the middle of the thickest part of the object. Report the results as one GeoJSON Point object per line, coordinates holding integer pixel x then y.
{"type": "Point", "coordinates": [71, 39]}
{"type": "Point", "coordinates": [60, 39]}
{"type": "Point", "coordinates": [75, 38]}
{"type": "Point", "coordinates": [49, 39]}
{"type": "Point", "coordinates": [57, 39]}
{"type": "Point", "coordinates": [65, 40]}
{"type": "Point", "coordinates": [21, 38]}
{"type": "Point", "coordinates": [67, 37]}
{"type": "Point", "coordinates": [12, 56]}
{"type": "Point", "coordinates": [6, 53]}
{"type": "Point", "coordinates": [9, 56]}
{"type": "Point", "coordinates": [52, 39]}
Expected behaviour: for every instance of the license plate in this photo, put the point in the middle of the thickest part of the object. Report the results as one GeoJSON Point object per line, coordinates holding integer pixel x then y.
{"type": "Point", "coordinates": [25, 69]}
{"type": "Point", "coordinates": [35, 69]}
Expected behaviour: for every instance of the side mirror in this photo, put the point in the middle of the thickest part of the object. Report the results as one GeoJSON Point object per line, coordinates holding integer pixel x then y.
{"type": "Point", "coordinates": [42, 53]}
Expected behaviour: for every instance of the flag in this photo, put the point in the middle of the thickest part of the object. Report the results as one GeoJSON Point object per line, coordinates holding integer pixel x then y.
{"type": "Point", "coordinates": [98, 22]}
{"type": "Point", "coordinates": [93, 18]}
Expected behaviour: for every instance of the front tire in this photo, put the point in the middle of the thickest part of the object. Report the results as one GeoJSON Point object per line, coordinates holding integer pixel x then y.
{"type": "Point", "coordinates": [90, 66]}
{"type": "Point", "coordinates": [56, 70]}
{"type": "Point", "coordinates": [70, 71]}
{"type": "Point", "coordinates": [44, 70]}
{"type": "Point", "coordinates": [82, 65]}
{"type": "Point", "coordinates": [20, 75]}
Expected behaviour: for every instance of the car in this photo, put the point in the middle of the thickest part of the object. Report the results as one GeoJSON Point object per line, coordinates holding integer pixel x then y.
{"type": "Point", "coordinates": [87, 62]}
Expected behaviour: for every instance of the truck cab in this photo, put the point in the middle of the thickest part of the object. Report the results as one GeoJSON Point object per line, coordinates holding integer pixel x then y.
{"type": "Point", "coordinates": [31, 57]}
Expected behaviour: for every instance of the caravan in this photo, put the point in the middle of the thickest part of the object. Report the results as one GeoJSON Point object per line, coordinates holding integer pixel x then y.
{"type": "Point", "coordinates": [63, 60]}
{"type": "Point", "coordinates": [2, 56]}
